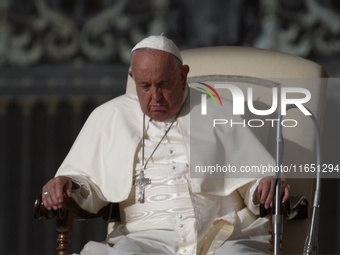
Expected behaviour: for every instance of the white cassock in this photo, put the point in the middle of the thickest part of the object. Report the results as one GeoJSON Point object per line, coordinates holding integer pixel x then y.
{"type": "Point", "coordinates": [180, 215]}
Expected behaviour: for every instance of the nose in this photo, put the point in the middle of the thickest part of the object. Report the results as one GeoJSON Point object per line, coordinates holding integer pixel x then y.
{"type": "Point", "coordinates": [156, 93]}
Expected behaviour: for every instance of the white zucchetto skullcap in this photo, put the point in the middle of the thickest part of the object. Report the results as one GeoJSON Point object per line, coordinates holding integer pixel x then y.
{"type": "Point", "coordinates": [159, 42]}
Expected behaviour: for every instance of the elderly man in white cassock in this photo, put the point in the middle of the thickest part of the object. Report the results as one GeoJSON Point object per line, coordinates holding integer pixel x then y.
{"type": "Point", "coordinates": [135, 149]}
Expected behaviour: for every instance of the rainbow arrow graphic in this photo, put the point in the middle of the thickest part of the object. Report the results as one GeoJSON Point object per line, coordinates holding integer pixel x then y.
{"type": "Point", "coordinates": [208, 92]}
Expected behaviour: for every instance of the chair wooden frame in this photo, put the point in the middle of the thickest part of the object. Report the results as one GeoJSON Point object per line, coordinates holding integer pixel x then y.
{"type": "Point", "coordinates": [71, 211]}
{"type": "Point", "coordinates": [64, 218]}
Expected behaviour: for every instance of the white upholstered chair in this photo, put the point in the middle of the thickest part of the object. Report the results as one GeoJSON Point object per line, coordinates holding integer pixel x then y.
{"type": "Point", "coordinates": [261, 69]}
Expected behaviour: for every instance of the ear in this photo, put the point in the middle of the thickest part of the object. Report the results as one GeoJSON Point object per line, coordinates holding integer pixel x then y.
{"type": "Point", "coordinates": [184, 73]}
{"type": "Point", "coordinates": [131, 75]}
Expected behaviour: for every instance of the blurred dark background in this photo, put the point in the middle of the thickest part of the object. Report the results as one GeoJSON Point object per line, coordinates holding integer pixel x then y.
{"type": "Point", "coordinates": [61, 58]}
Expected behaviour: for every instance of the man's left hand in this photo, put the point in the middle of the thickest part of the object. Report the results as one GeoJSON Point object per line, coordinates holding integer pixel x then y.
{"type": "Point", "coordinates": [266, 188]}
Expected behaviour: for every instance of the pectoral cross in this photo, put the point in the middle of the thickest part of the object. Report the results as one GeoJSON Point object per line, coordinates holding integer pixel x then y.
{"type": "Point", "coordinates": [141, 182]}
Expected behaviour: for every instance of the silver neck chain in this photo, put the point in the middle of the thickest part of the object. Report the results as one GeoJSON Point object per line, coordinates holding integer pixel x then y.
{"type": "Point", "coordinates": [144, 163]}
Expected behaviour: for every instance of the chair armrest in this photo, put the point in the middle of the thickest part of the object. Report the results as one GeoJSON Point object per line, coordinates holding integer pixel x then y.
{"type": "Point", "coordinates": [69, 205]}
{"type": "Point", "coordinates": [40, 211]}
{"type": "Point", "coordinates": [65, 216]}
{"type": "Point", "coordinates": [291, 211]}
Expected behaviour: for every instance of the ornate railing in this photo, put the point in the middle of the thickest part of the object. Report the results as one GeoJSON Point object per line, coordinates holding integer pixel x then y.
{"type": "Point", "coordinates": [49, 31]}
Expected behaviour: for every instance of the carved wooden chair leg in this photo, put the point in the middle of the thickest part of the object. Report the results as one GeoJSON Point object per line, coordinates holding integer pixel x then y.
{"type": "Point", "coordinates": [64, 223]}
{"type": "Point", "coordinates": [64, 230]}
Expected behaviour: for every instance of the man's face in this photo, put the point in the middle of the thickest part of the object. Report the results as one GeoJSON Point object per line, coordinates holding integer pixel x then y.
{"type": "Point", "coordinates": [160, 81]}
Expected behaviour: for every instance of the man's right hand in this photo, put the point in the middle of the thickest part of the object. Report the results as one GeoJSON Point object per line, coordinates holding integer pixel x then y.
{"type": "Point", "coordinates": [53, 191]}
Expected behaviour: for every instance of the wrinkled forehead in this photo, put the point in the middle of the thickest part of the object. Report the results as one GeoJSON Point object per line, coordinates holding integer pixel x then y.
{"type": "Point", "coordinates": [152, 57]}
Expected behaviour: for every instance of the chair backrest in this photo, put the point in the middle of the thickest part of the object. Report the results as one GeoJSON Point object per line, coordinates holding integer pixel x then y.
{"type": "Point", "coordinates": [264, 69]}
